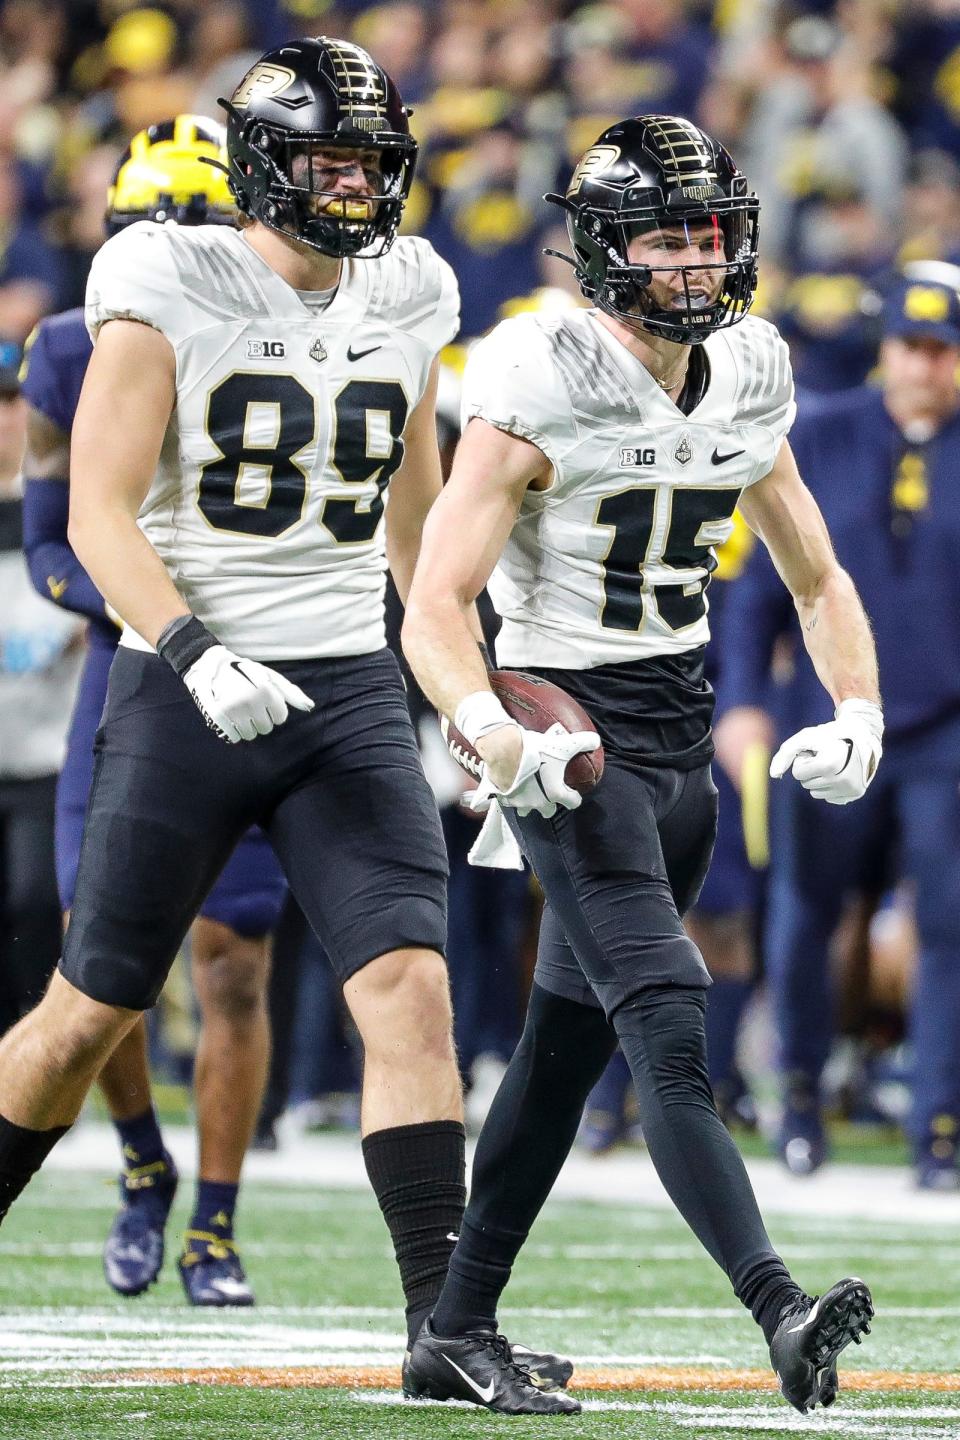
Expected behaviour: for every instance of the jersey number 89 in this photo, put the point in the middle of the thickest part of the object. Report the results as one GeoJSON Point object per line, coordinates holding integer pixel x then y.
{"type": "Point", "coordinates": [348, 521]}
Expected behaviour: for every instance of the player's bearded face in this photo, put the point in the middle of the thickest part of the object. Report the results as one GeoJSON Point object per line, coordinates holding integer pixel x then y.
{"type": "Point", "coordinates": [342, 182]}
{"type": "Point", "coordinates": [697, 246]}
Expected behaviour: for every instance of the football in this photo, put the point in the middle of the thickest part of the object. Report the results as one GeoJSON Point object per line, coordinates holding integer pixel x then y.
{"type": "Point", "coordinates": [536, 705]}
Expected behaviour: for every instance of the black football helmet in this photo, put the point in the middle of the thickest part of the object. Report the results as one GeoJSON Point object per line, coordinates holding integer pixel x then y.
{"type": "Point", "coordinates": [656, 174]}
{"type": "Point", "coordinates": [312, 95]}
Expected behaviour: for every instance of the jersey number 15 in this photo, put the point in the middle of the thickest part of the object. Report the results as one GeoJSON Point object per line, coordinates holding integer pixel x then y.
{"type": "Point", "coordinates": [631, 514]}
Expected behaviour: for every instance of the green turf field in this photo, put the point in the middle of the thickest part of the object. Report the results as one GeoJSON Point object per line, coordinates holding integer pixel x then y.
{"type": "Point", "coordinates": [610, 1285]}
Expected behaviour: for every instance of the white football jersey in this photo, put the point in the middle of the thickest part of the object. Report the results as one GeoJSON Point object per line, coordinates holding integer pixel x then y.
{"type": "Point", "coordinates": [612, 561]}
{"type": "Point", "coordinates": [267, 505]}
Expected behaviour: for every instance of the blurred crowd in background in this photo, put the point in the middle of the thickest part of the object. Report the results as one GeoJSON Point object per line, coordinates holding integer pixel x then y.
{"type": "Point", "coordinates": [845, 117]}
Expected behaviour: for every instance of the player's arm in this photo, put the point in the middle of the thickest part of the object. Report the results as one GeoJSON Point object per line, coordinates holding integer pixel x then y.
{"type": "Point", "coordinates": [125, 405]}
{"type": "Point", "coordinates": [414, 487]}
{"type": "Point", "coordinates": [128, 396]}
{"type": "Point", "coordinates": [836, 761]}
{"type": "Point", "coordinates": [463, 538]}
{"type": "Point", "coordinates": [54, 569]}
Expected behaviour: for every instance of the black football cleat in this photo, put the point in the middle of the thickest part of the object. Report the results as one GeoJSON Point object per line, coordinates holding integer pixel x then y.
{"type": "Point", "coordinates": [133, 1253]}
{"type": "Point", "coordinates": [212, 1273]}
{"type": "Point", "coordinates": [482, 1368]}
{"type": "Point", "coordinates": [550, 1372]}
{"type": "Point", "coordinates": [811, 1335]}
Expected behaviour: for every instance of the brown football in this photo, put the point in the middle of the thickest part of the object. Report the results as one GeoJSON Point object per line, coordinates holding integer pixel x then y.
{"type": "Point", "coordinates": [536, 705]}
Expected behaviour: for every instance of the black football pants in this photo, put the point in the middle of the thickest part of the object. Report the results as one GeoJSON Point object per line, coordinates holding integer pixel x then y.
{"type": "Point", "coordinates": [30, 923]}
{"type": "Point", "coordinates": [614, 963]}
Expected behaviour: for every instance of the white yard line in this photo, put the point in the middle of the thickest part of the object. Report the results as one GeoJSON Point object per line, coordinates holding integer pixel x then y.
{"type": "Point", "coordinates": [885, 1420]}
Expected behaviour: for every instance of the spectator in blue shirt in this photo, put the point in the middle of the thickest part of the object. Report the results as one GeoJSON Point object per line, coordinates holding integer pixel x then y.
{"type": "Point", "coordinates": [883, 465]}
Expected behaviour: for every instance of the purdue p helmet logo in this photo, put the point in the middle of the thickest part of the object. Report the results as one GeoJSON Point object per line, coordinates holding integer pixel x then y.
{"type": "Point", "coordinates": [264, 81]}
{"type": "Point", "coordinates": [597, 159]}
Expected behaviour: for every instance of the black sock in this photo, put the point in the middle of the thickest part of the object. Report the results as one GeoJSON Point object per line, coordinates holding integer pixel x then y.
{"type": "Point", "coordinates": [418, 1174]}
{"type": "Point", "coordinates": [527, 1136]}
{"type": "Point", "coordinates": [22, 1152]}
{"type": "Point", "coordinates": [140, 1139]}
{"type": "Point", "coordinates": [767, 1292]}
{"type": "Point", "coordinates": [662, 1035]}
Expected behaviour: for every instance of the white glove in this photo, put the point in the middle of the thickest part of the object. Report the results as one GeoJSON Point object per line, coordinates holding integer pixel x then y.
{"type": "Point", "coordinates": [241, 699]}
{"type": "Point", "coordinates": [835, 761]}
{"type": "Point", "coordinates": [538, 784]}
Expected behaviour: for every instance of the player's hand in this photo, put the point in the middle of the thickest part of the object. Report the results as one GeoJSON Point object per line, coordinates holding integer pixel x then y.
{"type": "Point", "coordinates": [241, 699]}
{"type": "Point", "coordinates": [836, 761]}
{"type": "Point", "coordinates": [501, 751]}
{"type": "Point", "coordinates": [524, 769]}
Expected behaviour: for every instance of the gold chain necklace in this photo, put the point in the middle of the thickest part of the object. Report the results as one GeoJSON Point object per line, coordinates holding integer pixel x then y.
{"type": "Point", "coordinates": [671, 384]}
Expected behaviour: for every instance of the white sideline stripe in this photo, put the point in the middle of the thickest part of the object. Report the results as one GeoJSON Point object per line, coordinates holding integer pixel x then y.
{"type": "Point", "coordinates": [96, 1189]}
{"type": "Point", "coordinates": [612, 1254]}
{"type": "Point", "coordinates": [159, 1315]}
{"type": "Point", "coordinates": [876, 1192]}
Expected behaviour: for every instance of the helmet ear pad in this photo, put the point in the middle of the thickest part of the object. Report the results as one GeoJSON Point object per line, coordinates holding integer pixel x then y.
{"type": "Point", "coordinates": [598, 259]}
{"type": "Point", "coordinates": [252, 151]}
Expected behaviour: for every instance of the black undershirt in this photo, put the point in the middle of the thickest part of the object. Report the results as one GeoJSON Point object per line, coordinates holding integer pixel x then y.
{"type": "Point", "coordinates": [696, 382]}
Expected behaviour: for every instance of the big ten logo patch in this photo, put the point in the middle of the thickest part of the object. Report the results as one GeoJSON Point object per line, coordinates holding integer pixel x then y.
{"type": "Point", "coordinates": [265, 350]}
{"type": "Point", "coordinates": [633, 457]}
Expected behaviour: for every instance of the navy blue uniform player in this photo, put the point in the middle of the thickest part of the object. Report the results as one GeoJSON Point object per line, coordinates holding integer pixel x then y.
{"type": "Point", "coordinates": [723, 920]}
{"type": "Point", "coordinates": [230, 950]}
{"type": "Point", "coordinates": [882, 462]}
{"type": "Point", "coordinates": [603, 455]}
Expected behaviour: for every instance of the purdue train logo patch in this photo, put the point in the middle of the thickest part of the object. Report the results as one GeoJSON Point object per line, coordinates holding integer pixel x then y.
{"type": "Point", "coordinates": [318, 351]}
{"type": "Point", "coordinates": [683, 453]}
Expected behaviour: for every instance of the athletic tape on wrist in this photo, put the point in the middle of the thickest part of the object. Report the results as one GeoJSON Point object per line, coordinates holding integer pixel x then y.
{"type": "Point", "coordinates": [478, 714]}
{"type": "Point", "coordinates": [867, 710]}
{"type": "Point", "coordinates": [183, 641]}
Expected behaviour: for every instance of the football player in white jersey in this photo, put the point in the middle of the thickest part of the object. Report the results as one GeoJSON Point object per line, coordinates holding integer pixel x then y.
{"type": "Point", "coordinates": [603, 455]}
{"type": "Point", "coordinates": [250, 396]}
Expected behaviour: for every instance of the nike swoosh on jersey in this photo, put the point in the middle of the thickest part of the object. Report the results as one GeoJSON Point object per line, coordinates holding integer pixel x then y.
{"type": "Point", "coordinates": [359, 354]}
{"type": "Point", "coordinates": [484, 1391]}
{"type": "Point", "coordinates": [717, 459]}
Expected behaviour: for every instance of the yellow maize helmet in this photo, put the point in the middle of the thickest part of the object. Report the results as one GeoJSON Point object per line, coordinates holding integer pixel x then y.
{"type": "Point", "coordinates": [165, 174]}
